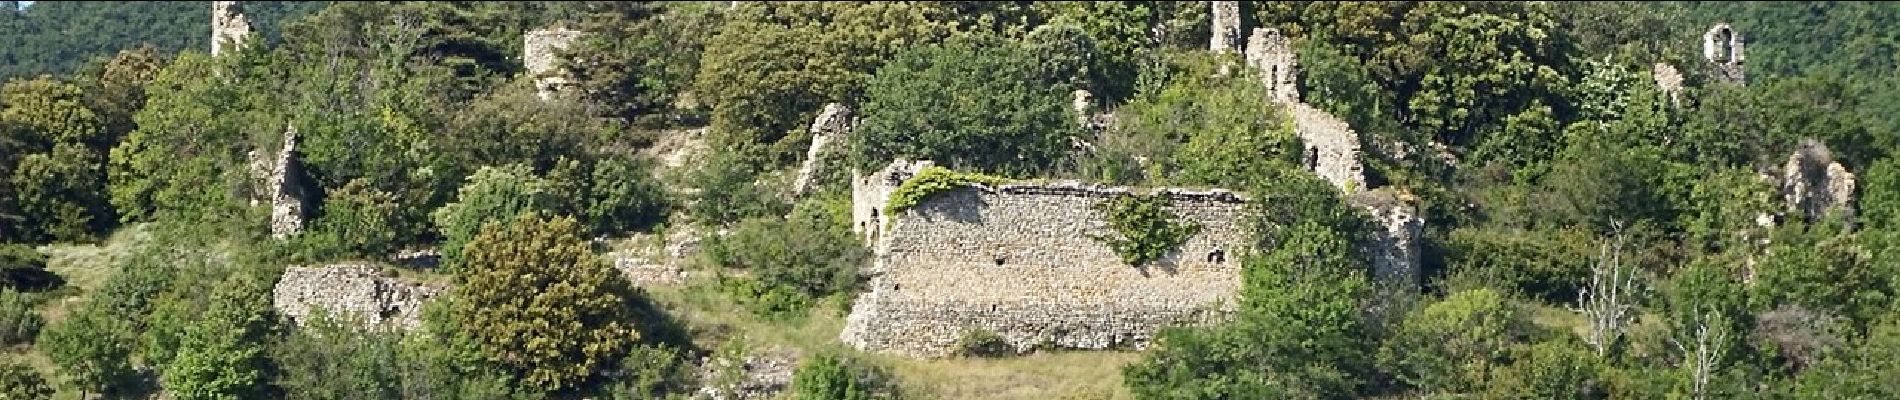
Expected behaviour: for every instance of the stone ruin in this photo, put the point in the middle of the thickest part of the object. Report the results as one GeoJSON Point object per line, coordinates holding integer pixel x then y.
{"type": "Point", "coordinates": [1272, 54]}
{"type": "Point", "coordinates": [280, 182]}
{"type": "Point", "coordinates": [1226, 34]}
{"type": "Point", "coordinates": [1814, 186]}
{"type": "Point", "coordinates": [540, 54]}
{"type": "Point", "coordinates": [1669, 81]}
{"type": "Point", "coordinates": [1722, 48]}
{"type": "Point", "coordinates": [1395, 248]}
{"type": "Point", "coordinates": [1020, 261]}
{"type": "Point", "coordinates": [870, 192]}
{"type": "Point", "coordinates": [828, 131]}
{"type": "Point", "coordinates": [229, 28]}
{"type": "Point", "coordinates": [358, 292]}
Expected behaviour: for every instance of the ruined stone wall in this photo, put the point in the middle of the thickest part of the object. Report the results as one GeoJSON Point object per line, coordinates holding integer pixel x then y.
{"type": "Point", "coordinates": [1394, 247]}
{"type": "Point", "coordinates": [279, 180]}
{"type": "Point", "coordinates": [539, 54]}
{"type": "Point", "coordinates": [355, 291]}
{"type": "Point", "coordinates": [828, 132]}
{"type": "Point", "coordinates": [1332, 147]}
{"type": "Point", "coordinates": [1226, 18]}
{"type": "Point", "coordinates": [229, 28]}
{"type": "Point", "coordinates": [870, 192]}
{"type": "Point", "coordinates": [1019, 261]}
{"type": "Point", "coordinates": [1272, 54]}
{"type": "Point", "coordinates": [1722, 48]}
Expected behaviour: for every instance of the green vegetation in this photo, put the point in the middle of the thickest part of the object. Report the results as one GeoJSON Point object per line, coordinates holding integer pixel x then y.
{"type": "Point", "coordinates": [1530, 136]}
{"type": "Point", "coordinates": [933, 180]}
{"type": "Point", "coordinates": [1147, 230]}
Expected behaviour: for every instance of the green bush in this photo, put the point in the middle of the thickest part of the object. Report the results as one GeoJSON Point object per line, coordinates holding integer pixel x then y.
{"type": "Point", "coordinates": [624, 196]}
{"type": "Point", "coordinates": [19, 381]}
{"type": "Point", "coordinates": [790, 262]}
{"type": "Point", "coordinates": [729, 191]}
{"type": "Point", "coordinates": [1148, 231]}
{"type": "Point", "coordinates": [978, 342]}
{"type": "Point", "coordinates": [491, 194]}
{"type": "Point", "coordinates": [18, 322]}
{"type": "Point", "coordinates": [931, 181]}
{"type": "Point", "coordinates": [832, 377]}
{"type": "Point", "coordinates": [357, 221]}
{"type": "Point", "coordinates": [978, 102]}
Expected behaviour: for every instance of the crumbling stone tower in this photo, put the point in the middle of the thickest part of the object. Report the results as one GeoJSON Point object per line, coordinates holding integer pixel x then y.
{"type": "Point", "coordinates": [229, 28]}
{"type": "Point", "coordinates": [1722, 47]}
{"type": "Point", "coordinates": [1669, 81]}
{"type": "Point", "coordinates": [1272, 54]}
{"type": "Point", "coordinates": [1226, 17]}
{"type": "Point", "coordinates": [539, 53]}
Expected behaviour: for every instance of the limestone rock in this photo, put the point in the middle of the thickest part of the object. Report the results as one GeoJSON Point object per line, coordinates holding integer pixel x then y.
{"type": "Point", "coordinates": [1814, 186]}
{"type": "Point", "coordinates": [229, 27]}
{"type": "Point", "coordinates": [359, 292]}
{"type": "Point", "coordinates": [761, 376]}
{"type": "Point", "coordinates": [540, 55]}
{"type": "Point", "coordinates": [1669, 81]}
{"type": "Point", "coordinates": [828, 131]}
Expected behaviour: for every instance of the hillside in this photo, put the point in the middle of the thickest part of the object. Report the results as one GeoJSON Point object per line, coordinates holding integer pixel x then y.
{"type": "Point", "coordinates": [994, 200]}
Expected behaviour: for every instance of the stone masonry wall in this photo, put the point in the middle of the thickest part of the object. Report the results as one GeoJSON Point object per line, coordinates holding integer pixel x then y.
{"type": "Point", "coordinates": [358, 291]}
{"type": "Point", "coordinates": [1018, 260]}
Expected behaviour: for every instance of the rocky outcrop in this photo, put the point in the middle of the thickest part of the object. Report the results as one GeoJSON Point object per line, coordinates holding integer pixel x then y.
{"type": "Point", "coordinates": [1669, 81]}
{"type": "Point", "coordinates": [540, 52]}
{"type": "Point", "coordinates": [760, 376]}
{"type": "Point", "coordinates": [828, 132]}
{"type": "Point", "coordinates": [1814, 186]}
{"type": "Point", "coordinates": [229, 27]}
{"type": "Point", "coordinates": [355, 292]}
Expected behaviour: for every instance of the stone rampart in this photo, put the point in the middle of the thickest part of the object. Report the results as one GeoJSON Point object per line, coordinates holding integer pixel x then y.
{"type": "Point", "coordinates": [1021, 261]}
{"type": "Point", "coordinates": [358, 292]}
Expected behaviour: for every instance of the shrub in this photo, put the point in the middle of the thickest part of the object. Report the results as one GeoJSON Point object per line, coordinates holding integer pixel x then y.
{"type": "Point", "coordinates": [18, 323]}
{"type": "Point", "coordinates": [831, 377]}
{"type": "Point", "coordinates": [931, 181]}
{"type": "Point", "coordinates": [624, 196]}
{"type": "Point", "coordinates": [491, 194]}
{"type": "Point", "coordinates": [18, 381]}
{"type": "Point", "coordinates": [791, 261]}
{"type": "Point", "coordinates": [1147, 230]}
{"type": "Point", "coordinates": [978, 342]}
{"type": "Point", "coordinates": [976, 101]}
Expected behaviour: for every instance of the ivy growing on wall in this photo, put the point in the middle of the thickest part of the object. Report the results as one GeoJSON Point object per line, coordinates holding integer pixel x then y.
{"type": "Point", "coordinates": [1146, 230]}
{"type": "Point", "coordinates": [930, 181]}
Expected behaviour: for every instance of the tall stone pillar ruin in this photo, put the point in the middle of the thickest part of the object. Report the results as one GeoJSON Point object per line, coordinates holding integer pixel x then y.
{"type": "Point", "coordinates": [1272, 54]}
{"type": "Point", "coordinates": [229, 28]}
{"type": "Point", "coordinates": [279, 182]}
{"type": "Point", "coordinates": [827, 132]}
{"type": "Point", "coordinates": [1227, 33]}
{"type": "Point", "coordinates": [540, 55]}
{"type": "Point", "coordinates": [1722, 48]}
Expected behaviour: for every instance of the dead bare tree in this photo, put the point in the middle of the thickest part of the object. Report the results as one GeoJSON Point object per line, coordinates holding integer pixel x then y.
{"type": "Point", "coordinates": [1608, 301]}
{"type": "Point", "coordinates": [1707, 351]}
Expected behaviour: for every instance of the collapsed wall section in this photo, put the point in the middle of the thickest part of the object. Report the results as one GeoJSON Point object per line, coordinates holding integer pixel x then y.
{"type": "Point", "coordinates": [1021, 261]}
{"type": "Point", "coordinates": [357, 292]}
